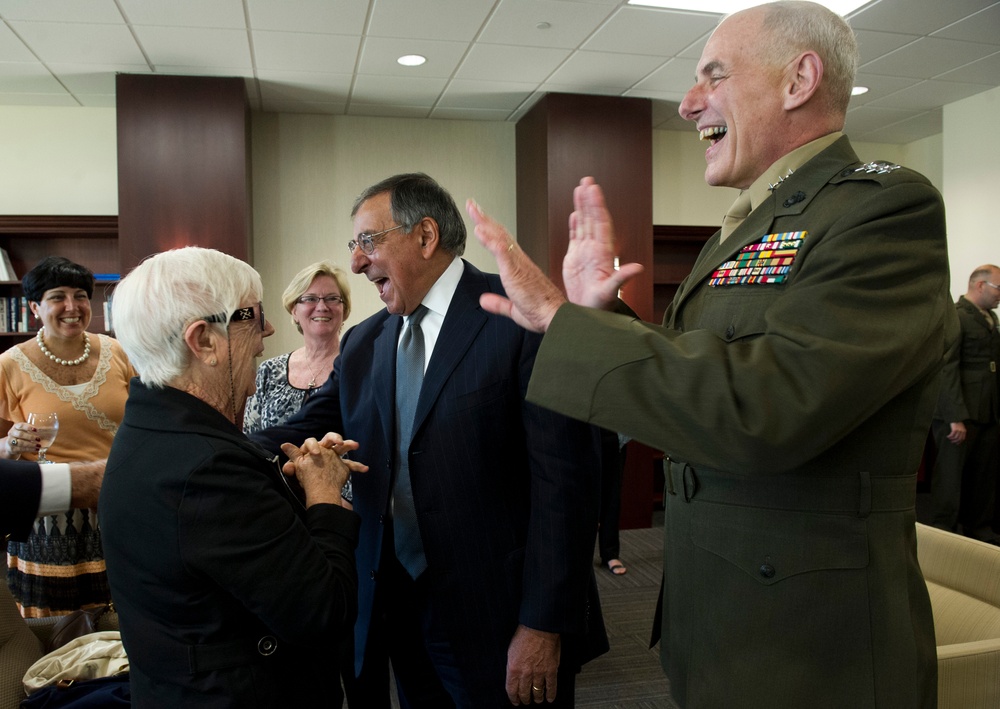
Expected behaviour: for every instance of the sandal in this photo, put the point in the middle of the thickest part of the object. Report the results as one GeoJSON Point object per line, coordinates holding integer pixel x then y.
{"type": "Point", "coordinates": [616, 567]}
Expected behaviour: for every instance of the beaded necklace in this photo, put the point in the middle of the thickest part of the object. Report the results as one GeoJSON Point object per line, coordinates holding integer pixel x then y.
{"type": "Point", "coordinates": [66, 363]}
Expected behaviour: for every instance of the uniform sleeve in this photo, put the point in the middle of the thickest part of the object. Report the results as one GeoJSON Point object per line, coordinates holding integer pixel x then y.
{"type": "Point", "coordinates": [951, 406]}
{"type": "Point", "coordinates": [859, 323]}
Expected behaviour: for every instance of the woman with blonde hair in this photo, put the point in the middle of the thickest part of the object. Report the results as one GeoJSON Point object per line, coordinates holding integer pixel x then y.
{"type": "Point", "coordinates": [318, 299]}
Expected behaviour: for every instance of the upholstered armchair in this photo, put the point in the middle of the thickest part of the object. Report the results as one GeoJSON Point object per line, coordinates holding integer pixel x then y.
{"type": "Point", "coordinates": [963, 579]}
{"type": "Point", "coordinates": [22, 642]}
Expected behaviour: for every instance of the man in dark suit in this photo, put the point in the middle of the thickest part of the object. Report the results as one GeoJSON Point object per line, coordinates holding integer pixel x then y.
{"type": "Point", "coordinates": [500, 605]}
{"type": "Point", "coordinates": [791, 384]}
{"type": "Point", "coordinates": [31, 490]}
{"type": "Point", "coordinates": [967, 420]}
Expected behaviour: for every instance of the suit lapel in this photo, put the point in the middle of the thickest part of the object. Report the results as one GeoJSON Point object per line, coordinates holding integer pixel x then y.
{"type": "Point", "coordinates": [385, 386]}
{"type": "Point", "coordinates": [461, 326]}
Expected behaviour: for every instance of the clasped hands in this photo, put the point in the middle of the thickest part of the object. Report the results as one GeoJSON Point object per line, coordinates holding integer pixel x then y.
{"type": "Point", "coordinates": [588, 268]}
{"type": "Point", "coordinates": [320, 468]}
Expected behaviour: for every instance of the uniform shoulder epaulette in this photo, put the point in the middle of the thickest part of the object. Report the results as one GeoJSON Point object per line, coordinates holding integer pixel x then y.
{"type": "Point", "coordinates": [881, 167]}
{"type": "Point", "coordinates": [879, 170]}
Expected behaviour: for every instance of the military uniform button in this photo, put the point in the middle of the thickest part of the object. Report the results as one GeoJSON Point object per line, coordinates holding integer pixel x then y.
{"type": "Point", "coordinates": [730, 332]}
{"type": "Point", "coordinates": [767, 571]}
{"type": "Point", "coordinates": [267, 645]}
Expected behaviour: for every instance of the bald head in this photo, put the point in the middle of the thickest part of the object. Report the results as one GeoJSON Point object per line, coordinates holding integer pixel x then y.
{"type": "Point", "coordinates": [984, 287]}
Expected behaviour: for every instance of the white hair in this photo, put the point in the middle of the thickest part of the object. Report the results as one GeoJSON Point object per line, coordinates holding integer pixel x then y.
{"type": "Point", "coordinates": [164, 294]}
{"type": "Point", "coordinates": [793, 26]}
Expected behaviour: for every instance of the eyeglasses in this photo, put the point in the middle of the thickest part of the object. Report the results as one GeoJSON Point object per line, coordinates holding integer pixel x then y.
{"type": "Point", "coordinates": [994, 285]}
{"type": "Point", "coordinates": [330, 300]}
{"type": "Point", "coordinates": [241, 315]}
{"type": "Point", "coordinates": [366, 240]}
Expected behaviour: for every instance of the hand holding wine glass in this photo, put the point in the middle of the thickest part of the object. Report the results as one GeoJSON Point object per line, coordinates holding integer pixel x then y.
{"type": "Point", "coordinates": [47, 426]}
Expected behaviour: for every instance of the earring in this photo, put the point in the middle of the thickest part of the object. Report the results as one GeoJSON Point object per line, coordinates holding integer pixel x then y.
{"type": "Point", "coordinates": [213, 362]}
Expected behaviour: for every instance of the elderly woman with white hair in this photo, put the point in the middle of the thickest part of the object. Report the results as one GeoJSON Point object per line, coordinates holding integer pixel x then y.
{"type": "Point", "coordinates": [230, 590]}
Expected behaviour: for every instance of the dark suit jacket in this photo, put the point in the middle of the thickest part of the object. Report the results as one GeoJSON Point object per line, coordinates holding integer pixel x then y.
{"type": "Point", "coordinates": [22, 489]}
{"type": "Point", "coordinates": [970, 390]}
{"type": "Point", "coordinates": [210, 555]}
{"type": "Point", "coordinates": [794, 416]}
{"type": "Point", "coordinates": [506, 492]}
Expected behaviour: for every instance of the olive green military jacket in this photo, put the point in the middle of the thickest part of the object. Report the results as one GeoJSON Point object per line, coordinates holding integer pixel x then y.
{"type": "Point", "coordinates": [793, 407]}
{"type": "Point", "coordinates": [971, 388]}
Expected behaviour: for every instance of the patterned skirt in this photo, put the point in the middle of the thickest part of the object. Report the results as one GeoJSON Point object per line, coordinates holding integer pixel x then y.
{"type": "Point", "coordinates": [60, 567]}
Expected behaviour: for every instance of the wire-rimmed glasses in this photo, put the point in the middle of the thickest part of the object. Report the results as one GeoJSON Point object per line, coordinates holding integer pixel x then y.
{"type": "Point", "coordinates": [366, 240]}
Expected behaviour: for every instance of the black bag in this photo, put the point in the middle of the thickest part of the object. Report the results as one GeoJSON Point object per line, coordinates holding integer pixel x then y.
{"type": "Point", "coordinates": [77, 623]}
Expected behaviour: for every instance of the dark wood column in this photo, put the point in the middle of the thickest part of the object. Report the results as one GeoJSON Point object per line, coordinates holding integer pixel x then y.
{"type": "Point", "coordinates": [183, 165]}
{"type": "Point", "coordinates": [569, 136]}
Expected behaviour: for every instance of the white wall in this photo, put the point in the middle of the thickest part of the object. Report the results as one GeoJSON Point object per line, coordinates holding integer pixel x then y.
{"type": "Point", "coordinates": [971, 162]}
{"type": "Point", "coordinates": [58, 160]}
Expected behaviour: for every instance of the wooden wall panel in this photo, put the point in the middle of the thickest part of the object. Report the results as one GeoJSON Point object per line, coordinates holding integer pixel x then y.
{"type": "Point", "coordinates": [563, 138]}
{"type": "Point", "coordinates": [183, 165]}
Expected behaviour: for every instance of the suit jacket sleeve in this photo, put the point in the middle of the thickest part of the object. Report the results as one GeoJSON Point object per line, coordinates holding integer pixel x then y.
{"type": "Point", "coordinates": [317, 417]}
{"type": "Point", "coordinates": [859, 323]}
{"type": "Point", "coordinates": [21, 483]}
{"type": "Point", "coordinates": [564, 458]}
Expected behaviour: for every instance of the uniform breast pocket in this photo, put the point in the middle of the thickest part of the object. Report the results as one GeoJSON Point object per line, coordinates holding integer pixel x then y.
{"type": "Point", "coordinates": [737, 312]}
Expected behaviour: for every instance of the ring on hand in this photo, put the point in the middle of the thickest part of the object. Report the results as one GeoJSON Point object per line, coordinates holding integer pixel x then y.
{"type": "Point", "coordinates": [510, 247]}
{"type": "Point", "coordinates": [536, 689]}
{"type": "Point", "coordinates": [13, 443]}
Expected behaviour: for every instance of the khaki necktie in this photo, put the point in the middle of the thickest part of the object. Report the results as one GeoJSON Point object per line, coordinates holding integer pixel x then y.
{"type": "Point", "coordinates": [735, 216]}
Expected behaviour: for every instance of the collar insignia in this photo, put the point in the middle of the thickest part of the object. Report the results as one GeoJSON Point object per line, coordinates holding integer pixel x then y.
{"type": "Point", "coordinates": [777, 184]}
{"type": "Point", "coordinates": [766, 261]}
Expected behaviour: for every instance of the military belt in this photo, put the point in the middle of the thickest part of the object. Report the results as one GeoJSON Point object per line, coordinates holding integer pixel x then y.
{"type": "Point", "coordinates": [857, 494]}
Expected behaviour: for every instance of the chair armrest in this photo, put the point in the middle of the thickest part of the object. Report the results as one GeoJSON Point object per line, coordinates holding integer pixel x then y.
{"type": "Point", "coordinates": [969, 675]}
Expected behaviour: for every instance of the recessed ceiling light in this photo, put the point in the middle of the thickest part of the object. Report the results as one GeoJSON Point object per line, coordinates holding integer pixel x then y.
{"type": "Point", "coordinates": [411, 60]}
{"type": "Point", "coordinates": [725, 7]}
{"type": "Point", "coordinates": [858, 90]}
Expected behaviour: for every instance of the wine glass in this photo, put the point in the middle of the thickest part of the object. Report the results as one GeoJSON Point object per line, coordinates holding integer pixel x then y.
{"type": "Point", "coordinates": [47, 426]}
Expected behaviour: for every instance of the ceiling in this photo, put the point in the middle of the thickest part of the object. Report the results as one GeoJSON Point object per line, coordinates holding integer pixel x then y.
{"type": "Point", "coordinates": [487, 59]}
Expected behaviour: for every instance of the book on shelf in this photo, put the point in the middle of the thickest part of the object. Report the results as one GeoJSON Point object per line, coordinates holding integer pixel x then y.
{"type": "Point", "coordinates": [6, 269]}
{"type": "Point", "coordinates": [13, 314]}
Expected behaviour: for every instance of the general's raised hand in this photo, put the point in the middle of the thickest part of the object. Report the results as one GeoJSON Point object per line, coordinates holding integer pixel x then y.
{"type": "Point", "coordinates": [589, 265]}
{"type": "Point", "coordinates": [532, 299]}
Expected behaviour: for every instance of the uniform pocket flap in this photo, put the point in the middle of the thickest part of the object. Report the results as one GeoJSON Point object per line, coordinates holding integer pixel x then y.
{"type": "Point", "coordinates": [773, 545]}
